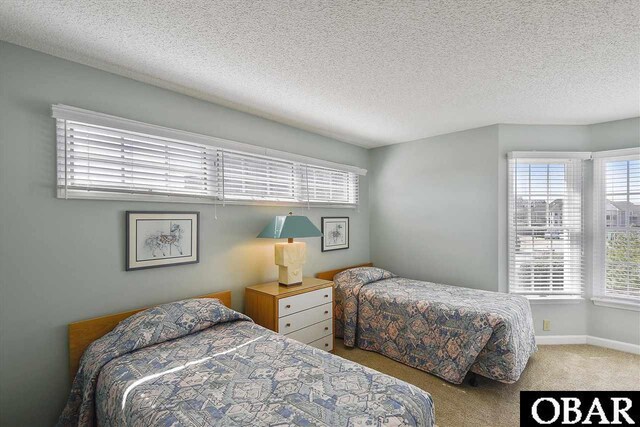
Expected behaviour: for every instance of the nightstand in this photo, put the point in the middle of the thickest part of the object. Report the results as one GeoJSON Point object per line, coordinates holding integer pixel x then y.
{"type": "Point", "coordinates": [303, 312]}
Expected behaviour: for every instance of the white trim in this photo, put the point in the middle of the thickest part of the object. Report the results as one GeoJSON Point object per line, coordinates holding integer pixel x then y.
{"type": "Point", "coordinates": [125, 197]}
{"type": "Point", "coordinates": [585, 155]}
{"type": "Point", "coordinates": [66, 112]}
{"type": "Point", "coordinates": [554, 299]}
{"type": "Point", "coordinates": [560, 339]}
{"type": "Point", "coordinates": [620, 303]}
{"type": "Point", "coordinates": [589, 340]}
{"type": "Point", "coordinates": [615, 153]}
{"type": "Point", "coordinates": [614, 345]}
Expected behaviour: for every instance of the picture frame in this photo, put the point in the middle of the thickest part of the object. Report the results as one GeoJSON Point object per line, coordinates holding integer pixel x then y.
{"type": "Point", "coordinates": [335, 233]}
{"type": "Point", "coordinates": [161, 239]}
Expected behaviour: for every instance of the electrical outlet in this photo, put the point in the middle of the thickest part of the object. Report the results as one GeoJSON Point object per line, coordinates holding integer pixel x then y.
{"type": "Point", "coordinates": [546, 325]}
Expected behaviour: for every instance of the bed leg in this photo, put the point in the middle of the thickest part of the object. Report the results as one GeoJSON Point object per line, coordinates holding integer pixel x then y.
{"type": "Point", "coordinates": [473, 380]}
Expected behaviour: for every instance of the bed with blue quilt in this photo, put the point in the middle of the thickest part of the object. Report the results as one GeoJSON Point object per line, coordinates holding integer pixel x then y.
{"type": "Point", "coordinates": [447, 331]}
{"type": "Point", "coordinates": [198, 363]}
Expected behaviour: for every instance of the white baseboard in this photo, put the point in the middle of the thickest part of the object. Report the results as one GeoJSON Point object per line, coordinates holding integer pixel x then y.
{"type": "Point", "coordinates": [588, 339]}
{"type": "Point", "coordinates": [615, 345]}
{"type": "Point", "coordinates": [560, 339]}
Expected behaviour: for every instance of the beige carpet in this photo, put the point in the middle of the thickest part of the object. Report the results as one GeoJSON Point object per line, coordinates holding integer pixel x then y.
{"type": "Point", "coordinates": [560, 367]}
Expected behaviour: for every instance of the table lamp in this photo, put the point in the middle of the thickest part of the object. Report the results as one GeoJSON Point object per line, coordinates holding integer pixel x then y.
{"type": "Point", "coordinates": [291, 255]}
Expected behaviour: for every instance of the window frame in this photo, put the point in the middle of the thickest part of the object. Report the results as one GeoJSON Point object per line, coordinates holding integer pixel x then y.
{"type": "Point", "coordinates": [599, 285]}
{"type": "Point", "coordinates": [545, 158]}
{"type": "Point", "coordinates": [64, 113]}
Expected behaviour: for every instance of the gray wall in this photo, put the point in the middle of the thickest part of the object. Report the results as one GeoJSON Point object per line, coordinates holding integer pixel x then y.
{"type": "Point", "coordinates": [619, 134]}
{"type": "Point", "coordinates": [439, 213]}
{"type": "Point", "coordinates": [63, 261]}
{"type": "Point", "coordinates": [433, 210]}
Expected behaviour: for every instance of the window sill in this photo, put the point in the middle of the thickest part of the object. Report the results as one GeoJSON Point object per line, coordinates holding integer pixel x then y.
{"type": "Point", "coordinates": [535, 299]}
{"type": "Point", "coordinates": [616, 303]}
{"type": "Point", "coordinates": [103, 195]}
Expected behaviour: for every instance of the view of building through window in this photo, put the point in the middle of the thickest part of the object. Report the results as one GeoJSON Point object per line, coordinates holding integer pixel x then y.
{"type": "Point", "coordinates": [622, 224]}
{"type": "Point", "coordinates": [546, 227]}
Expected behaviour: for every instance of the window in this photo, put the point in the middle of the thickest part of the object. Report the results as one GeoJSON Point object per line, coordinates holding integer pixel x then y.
{"type": "Point", "coordinates": [617, 225]}
{"type": "Point", "coordinates": [106, 157]}
{"type": "Point", "coordinates": [331, 186]}
{"type": "Point", "coordinates": [97, 161]}
{"type": "Point", "coordinates": [546, 225]}
{"type": "Point", "coordinates": [260, 178]}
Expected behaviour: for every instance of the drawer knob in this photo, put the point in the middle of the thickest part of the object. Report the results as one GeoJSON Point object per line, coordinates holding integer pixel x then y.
{"type": "Point", "coordinates": [326, 344]}
{"type": "Point", "coordinates": [326, 296]}
{"type": "Point", "coordinates": [326, 312]}
{"type": "Point", "coordinates": [288, 325]}
{"type": "Point", "coordinates": [326, 328]}
{"type": "Point", "coordinates": [288, 306]}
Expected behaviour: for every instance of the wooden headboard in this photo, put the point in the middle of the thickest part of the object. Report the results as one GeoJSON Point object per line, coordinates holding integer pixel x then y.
{"type": "Point", "coordinates": [328, 275]}
{"type": "Point", "coordinates": [84, 332]}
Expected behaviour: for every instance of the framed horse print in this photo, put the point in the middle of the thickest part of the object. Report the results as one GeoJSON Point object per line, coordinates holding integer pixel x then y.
{"type": "Point", "coordinates": [161, 239]}
{"type": "Point", "coordinates": [335, 233]}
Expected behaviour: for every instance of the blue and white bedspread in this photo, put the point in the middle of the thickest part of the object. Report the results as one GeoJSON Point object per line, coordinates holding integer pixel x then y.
{"type": "Point", "coordinates": [198, 363]}
{"type": "Point", "coordinates": [445, 330]}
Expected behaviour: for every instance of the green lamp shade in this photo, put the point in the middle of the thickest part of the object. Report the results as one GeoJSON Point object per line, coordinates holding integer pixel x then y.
{"type": "Point", "coordinates": [289, 227]}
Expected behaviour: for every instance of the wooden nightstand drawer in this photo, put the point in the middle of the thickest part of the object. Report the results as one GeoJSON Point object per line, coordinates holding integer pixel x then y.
{"type": "Point", "coordinates": [313, 333]}
{"type": "Point", "coordinates": [325, 343]}
{"type": "Point", "coordinates": [305, 318]}
{"type": "Point", "coordinates": [303, 312]}
{"type": "Point", "coordinates": [294, 304]}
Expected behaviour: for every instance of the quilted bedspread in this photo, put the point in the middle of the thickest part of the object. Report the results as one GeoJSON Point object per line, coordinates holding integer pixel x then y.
{"type": "Point", "coordinates": [444, 330]}
{"type": "Point", "coordinates": [198, 363]}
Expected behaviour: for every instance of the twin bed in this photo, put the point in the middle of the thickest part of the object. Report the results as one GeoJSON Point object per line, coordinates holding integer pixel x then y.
{"type": "Point", "coordinates": [197, 362]}
{"type": "Point", "coordinates": [448, 331]}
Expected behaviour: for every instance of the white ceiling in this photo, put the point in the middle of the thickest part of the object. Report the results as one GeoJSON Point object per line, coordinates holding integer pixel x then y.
{"type": "Point", "coordinates": [370, 72]}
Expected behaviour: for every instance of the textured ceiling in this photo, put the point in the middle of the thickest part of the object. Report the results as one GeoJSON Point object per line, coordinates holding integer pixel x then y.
{"type": "Point", "coordinates": [369, 72]}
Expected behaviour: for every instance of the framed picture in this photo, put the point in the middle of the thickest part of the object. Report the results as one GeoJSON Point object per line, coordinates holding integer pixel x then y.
{"type": "Point", "coordinates": [335, 233]}
{"type": "Point", "coordinates": [162, 239]}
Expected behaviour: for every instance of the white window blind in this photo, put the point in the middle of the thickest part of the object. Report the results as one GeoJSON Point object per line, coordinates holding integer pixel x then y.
{"type": "Point", "coordinates": [107, 157]}
{"type": "Point", "coordinates": [545, 225]}
{"type": "Point", "coordinates": [617, 225]}
{"type": "Point", "coordinates": [325, 185]}
{"type": "Point", "coordinates": [97, 160]}
{"type": "Point", "coordinates": [260, 178]}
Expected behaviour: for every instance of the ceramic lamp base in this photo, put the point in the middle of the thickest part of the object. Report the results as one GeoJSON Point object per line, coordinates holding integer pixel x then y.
{"type": "Point", "coordinates": [290, 257]}
{"type": "Point", "coordinates": [290, 275]}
